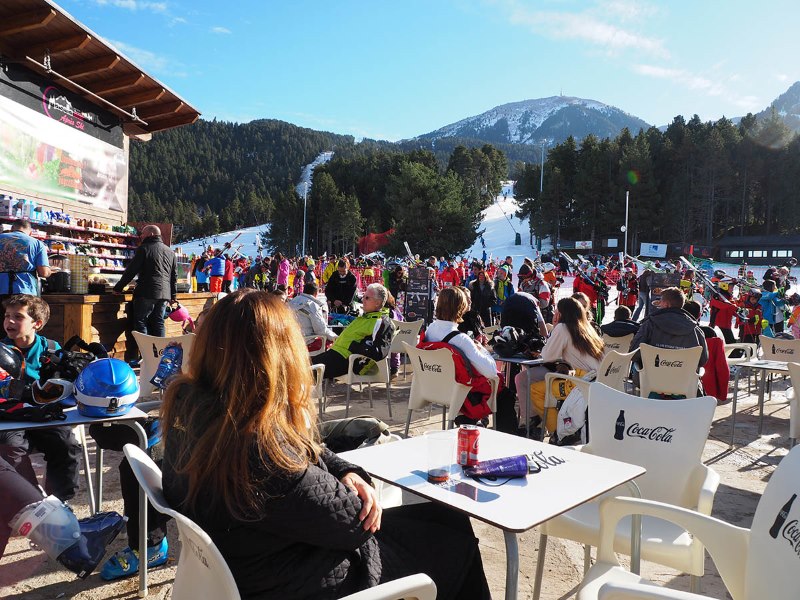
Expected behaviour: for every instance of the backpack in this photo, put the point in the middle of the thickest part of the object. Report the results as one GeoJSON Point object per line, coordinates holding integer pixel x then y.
{"type": "Point", "coordinates": [341, 435]}
{"type": "Point", "coordinates": [67, 364]}
{"type": "Point", "coordinates": [476, 404]}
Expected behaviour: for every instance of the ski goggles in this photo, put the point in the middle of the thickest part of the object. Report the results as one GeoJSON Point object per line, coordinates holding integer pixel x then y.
{"type": "Point", "coordinates": [52, 390]}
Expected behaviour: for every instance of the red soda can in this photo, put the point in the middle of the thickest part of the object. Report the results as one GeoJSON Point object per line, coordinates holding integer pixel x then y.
{"type": "Point", "coordinates": [468, 445]}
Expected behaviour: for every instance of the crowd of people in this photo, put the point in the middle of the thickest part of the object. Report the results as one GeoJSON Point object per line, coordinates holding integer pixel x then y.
{"type": "Point", "coordinates": [242, 456]}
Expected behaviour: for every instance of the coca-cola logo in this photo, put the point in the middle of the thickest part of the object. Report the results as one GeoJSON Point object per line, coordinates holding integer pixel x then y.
{"type": "Point", "coordinates": [545, 462]}
{"type": "Point", "coordinates": [613, 370]}
{"type": "Point", "coordinates": [671, 363]}
{"type": "Point", "coordinates": [784, 350]}
{"type": "Point", "coordinates": [660, 433]}
{"type": "Point", "coordinates": [404, 332]}
{"type": "Point", "coordinates": [429, 367]}
{"type": "Point", "coordinates": [791, 533]}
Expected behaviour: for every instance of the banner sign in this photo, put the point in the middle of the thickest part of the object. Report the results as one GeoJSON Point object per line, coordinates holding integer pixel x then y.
{"type": "Point", "coordinates": [587, 245]}
{"type": "Point", "coordinates": [655, 250]}
{"type": "Point", "coordinates": [61, 149]}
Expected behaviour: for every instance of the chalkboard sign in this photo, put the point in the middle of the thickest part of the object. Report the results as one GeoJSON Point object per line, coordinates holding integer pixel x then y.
{"type": "Point", "coordinates": [418, 294]}
{"type": "Point", "coordinates": [661, 281]}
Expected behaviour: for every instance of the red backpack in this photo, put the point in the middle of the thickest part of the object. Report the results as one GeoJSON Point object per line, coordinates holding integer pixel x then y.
{"type": "Point", "coordinates": [476, 404]}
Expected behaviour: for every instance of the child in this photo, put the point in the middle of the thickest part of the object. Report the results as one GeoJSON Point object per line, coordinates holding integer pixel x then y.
{"type": "Point", "coordinates": [750, 329]}
{"type": "Point", "coordinates": [24, 317]}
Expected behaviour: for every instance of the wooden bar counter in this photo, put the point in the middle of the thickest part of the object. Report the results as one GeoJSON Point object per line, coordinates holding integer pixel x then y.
{"type": "Point", "coordinates": [103, 318]}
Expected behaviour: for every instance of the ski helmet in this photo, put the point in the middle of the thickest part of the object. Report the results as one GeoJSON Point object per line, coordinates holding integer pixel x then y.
{"type": "Point", "coordinates": [548, 266]}
{"type": "Point", "coordinates": [12, 361]}
{"type": "Point", "coordinates": [107, 387]}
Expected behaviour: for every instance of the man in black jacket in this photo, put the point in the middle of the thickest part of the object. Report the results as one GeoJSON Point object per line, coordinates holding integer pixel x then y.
{"type": "Point", "coordinates": [341, 288]}
{"type": "Point", "coordinates": [157, 284]}
{"type": "Point", "coordinates": [671, 327]}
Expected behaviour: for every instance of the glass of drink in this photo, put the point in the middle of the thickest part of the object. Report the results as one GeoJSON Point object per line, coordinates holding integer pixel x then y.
{"type": "Point", "coordinates": [441, 447]}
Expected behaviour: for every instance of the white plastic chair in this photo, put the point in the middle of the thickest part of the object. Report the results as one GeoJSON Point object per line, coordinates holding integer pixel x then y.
{"type": "Point", "coordinates": [381, 376]}
{"type": "Point", "coordinates": [408, 332]}
{"type": "Point", "coordinates": [310, 339]}
{"type": "Point", "coordinates": [151, 348]}
{"type": "Point", "coordinates": [434, 382]}
{"type": "Point", "coordinates": [778, 350]}
{"type": "Point", "coordinates": [620, 344]}
{"type": "Point", "coordinates": [747, 353]}
{"type": "Point", "coordinates": [756, 563]}
{"type": "Point", "coordinates": [318, 391]}
{"type": "Point", "coordinates": [676, 372]}
{"type": "Point", "coordinates": [615, 369]}
{"type": "Point", "coordinates": [202, 571]}
{"type": "Point", "coordinates": [667, 439]}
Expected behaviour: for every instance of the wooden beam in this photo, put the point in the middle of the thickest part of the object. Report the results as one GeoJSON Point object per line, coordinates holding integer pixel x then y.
{"type": "Point", "coordinates": [118, 83]}
{"type": "Point", "coordinates": [137, 98]}
{"type": "Point", "coordinates": [173, 121]}
{"type": "Point", "coordinates": [27, 21]}
{"type": "Point", "coordinates": [159, 110]}
{"type": "Point", "coordinates": [74, 42]}
{"type": "Point", "coordinates": [88, 67]}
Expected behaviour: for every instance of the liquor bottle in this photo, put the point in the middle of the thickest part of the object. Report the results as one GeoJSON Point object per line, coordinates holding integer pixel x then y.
{"type": "Point", "coordinates": [657, 360]}
{"type": "Point", "coordinates": [781, 518]}
{"type": "Point", "coordinates": [619, 428]}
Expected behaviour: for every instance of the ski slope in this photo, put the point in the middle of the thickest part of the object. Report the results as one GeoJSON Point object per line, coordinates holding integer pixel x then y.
{"type": "Point", "coordinates": [499, 226]}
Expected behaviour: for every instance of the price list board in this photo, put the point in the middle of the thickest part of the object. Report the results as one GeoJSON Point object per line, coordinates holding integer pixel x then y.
{"type": "Point", "coordinates": [659, 282]}
{"type": "Point", "coordinates": [417, 303]}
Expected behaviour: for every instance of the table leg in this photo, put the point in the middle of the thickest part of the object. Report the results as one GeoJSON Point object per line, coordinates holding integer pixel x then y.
{"type": "Point", "coordinates": [636, 531]}
{"type": "Point", "coordinates": [98, 477]}
{"type": "Point", "coordinates": [735, 397]}
{"type": "Point", "coordinates": [761, 388]}
{"type": "Point", "coordinates": [512, 564]}
{"type": "Point", "coordinates": [142, 514]}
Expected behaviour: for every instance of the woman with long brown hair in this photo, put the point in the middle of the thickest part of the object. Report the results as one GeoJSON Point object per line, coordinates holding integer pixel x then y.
{"type": "Point", "coordinates": [574, 341]}
{"type": "Point", "coordinates": [292, 520]}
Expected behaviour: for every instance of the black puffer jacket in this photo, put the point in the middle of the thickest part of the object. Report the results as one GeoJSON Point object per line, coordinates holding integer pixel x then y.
{"type": "Point", "coordinates": [671, 328]}
{"type": "Point", "coordinates": [157, 268]}
{"type": "Point", "coordinates": [306, 540]}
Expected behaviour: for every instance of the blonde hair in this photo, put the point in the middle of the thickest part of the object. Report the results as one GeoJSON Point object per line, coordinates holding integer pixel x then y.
{"type": "Point", "coordinates": [451, 304]}
{"type": "Point", "coordinates": [247, 388]}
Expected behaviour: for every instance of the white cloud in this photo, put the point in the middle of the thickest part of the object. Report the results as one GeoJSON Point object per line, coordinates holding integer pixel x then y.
{"type": "Point", "coordinates": [221, 30]}
{"type": "Point", "coordinates": [592, 26]}
{"type": "Point", "coordinates": [782, 77]}
{"type": "Point", "coordinates": [158, 7]}
{"type": "Point", "coordinates": [699, 83]}
{"type": "Point", "coordinates": [144, 58]}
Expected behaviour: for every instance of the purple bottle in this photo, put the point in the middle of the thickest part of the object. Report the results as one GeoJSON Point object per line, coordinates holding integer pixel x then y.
{"type": "Point", "coordinates": [511, 466]}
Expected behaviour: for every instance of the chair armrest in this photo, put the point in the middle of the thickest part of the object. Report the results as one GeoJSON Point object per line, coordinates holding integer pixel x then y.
{"type": "Point", "coordinates": [419, 586]}
{"type": "Point", "coordinates": [641, 591]}
{"type": "Point", "coordinates": [148, 406]}
{"type": "Point", "coordinates": [704, 482]}
{"type": "Point", "coordinates": [726, 543]}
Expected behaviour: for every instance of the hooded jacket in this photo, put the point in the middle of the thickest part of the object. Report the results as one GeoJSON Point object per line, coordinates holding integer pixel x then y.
{"type": "Point", "coordinates": [312, 314]}
{"type": "Point", "coordinates": [671, 328]}
{"type": "Point", "coordinates": [620, 328]}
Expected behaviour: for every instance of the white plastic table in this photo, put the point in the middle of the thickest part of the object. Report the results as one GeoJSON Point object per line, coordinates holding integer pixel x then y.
{"type": "Point", "coordinates": [566, 480]}
{"type": "Point", "coordinates": [74, 418]}
{"type": "Point", "coordinates": [766, 367]}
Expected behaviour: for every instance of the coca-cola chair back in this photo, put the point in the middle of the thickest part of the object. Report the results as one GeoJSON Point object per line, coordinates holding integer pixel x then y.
{"type": "Point", "coordinates": [615, 369]}
{"type": "Point", "coordinates": [794, 403]}
{"type": "Point", "coordinates": [780, 350]}
{"type": "Point", "coordinates": [669, 371]}
{"type": "Point", "coordinates": [152, 348]}
{"type": "Point", "coordinates": [434, 380]}
{"type": "Point", "coordinates": [773, 558]}
{"type": "Point", "coordinates": [666, 438]}
{"type": "Point", "coordinates": [620, 344]}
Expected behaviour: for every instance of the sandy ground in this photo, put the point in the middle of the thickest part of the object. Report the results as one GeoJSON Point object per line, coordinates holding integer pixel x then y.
{"type": "Point", "coordinates": [30, 575]}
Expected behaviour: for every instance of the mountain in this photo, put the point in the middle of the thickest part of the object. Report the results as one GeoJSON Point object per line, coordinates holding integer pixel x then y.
{"type": "Point", "coordinates": [533, 121]}
{"type": "Point", "coordinates": [787, 105]}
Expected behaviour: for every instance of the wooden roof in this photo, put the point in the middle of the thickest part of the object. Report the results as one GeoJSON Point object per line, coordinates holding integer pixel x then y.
{"type": "Point", "coordinates": [29, 29]}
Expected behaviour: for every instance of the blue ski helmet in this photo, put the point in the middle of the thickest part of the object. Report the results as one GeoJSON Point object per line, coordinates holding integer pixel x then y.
{"type": "Point", "coordinates": [107, 387]}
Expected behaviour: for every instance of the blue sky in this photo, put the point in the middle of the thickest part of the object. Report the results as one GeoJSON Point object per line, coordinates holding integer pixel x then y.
{"type": "Point", "coordinates": [395, 69]}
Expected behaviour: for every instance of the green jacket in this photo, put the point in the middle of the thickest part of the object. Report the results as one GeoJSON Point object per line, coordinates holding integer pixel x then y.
{"type": "Point", "coordinates": [371, 335]}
